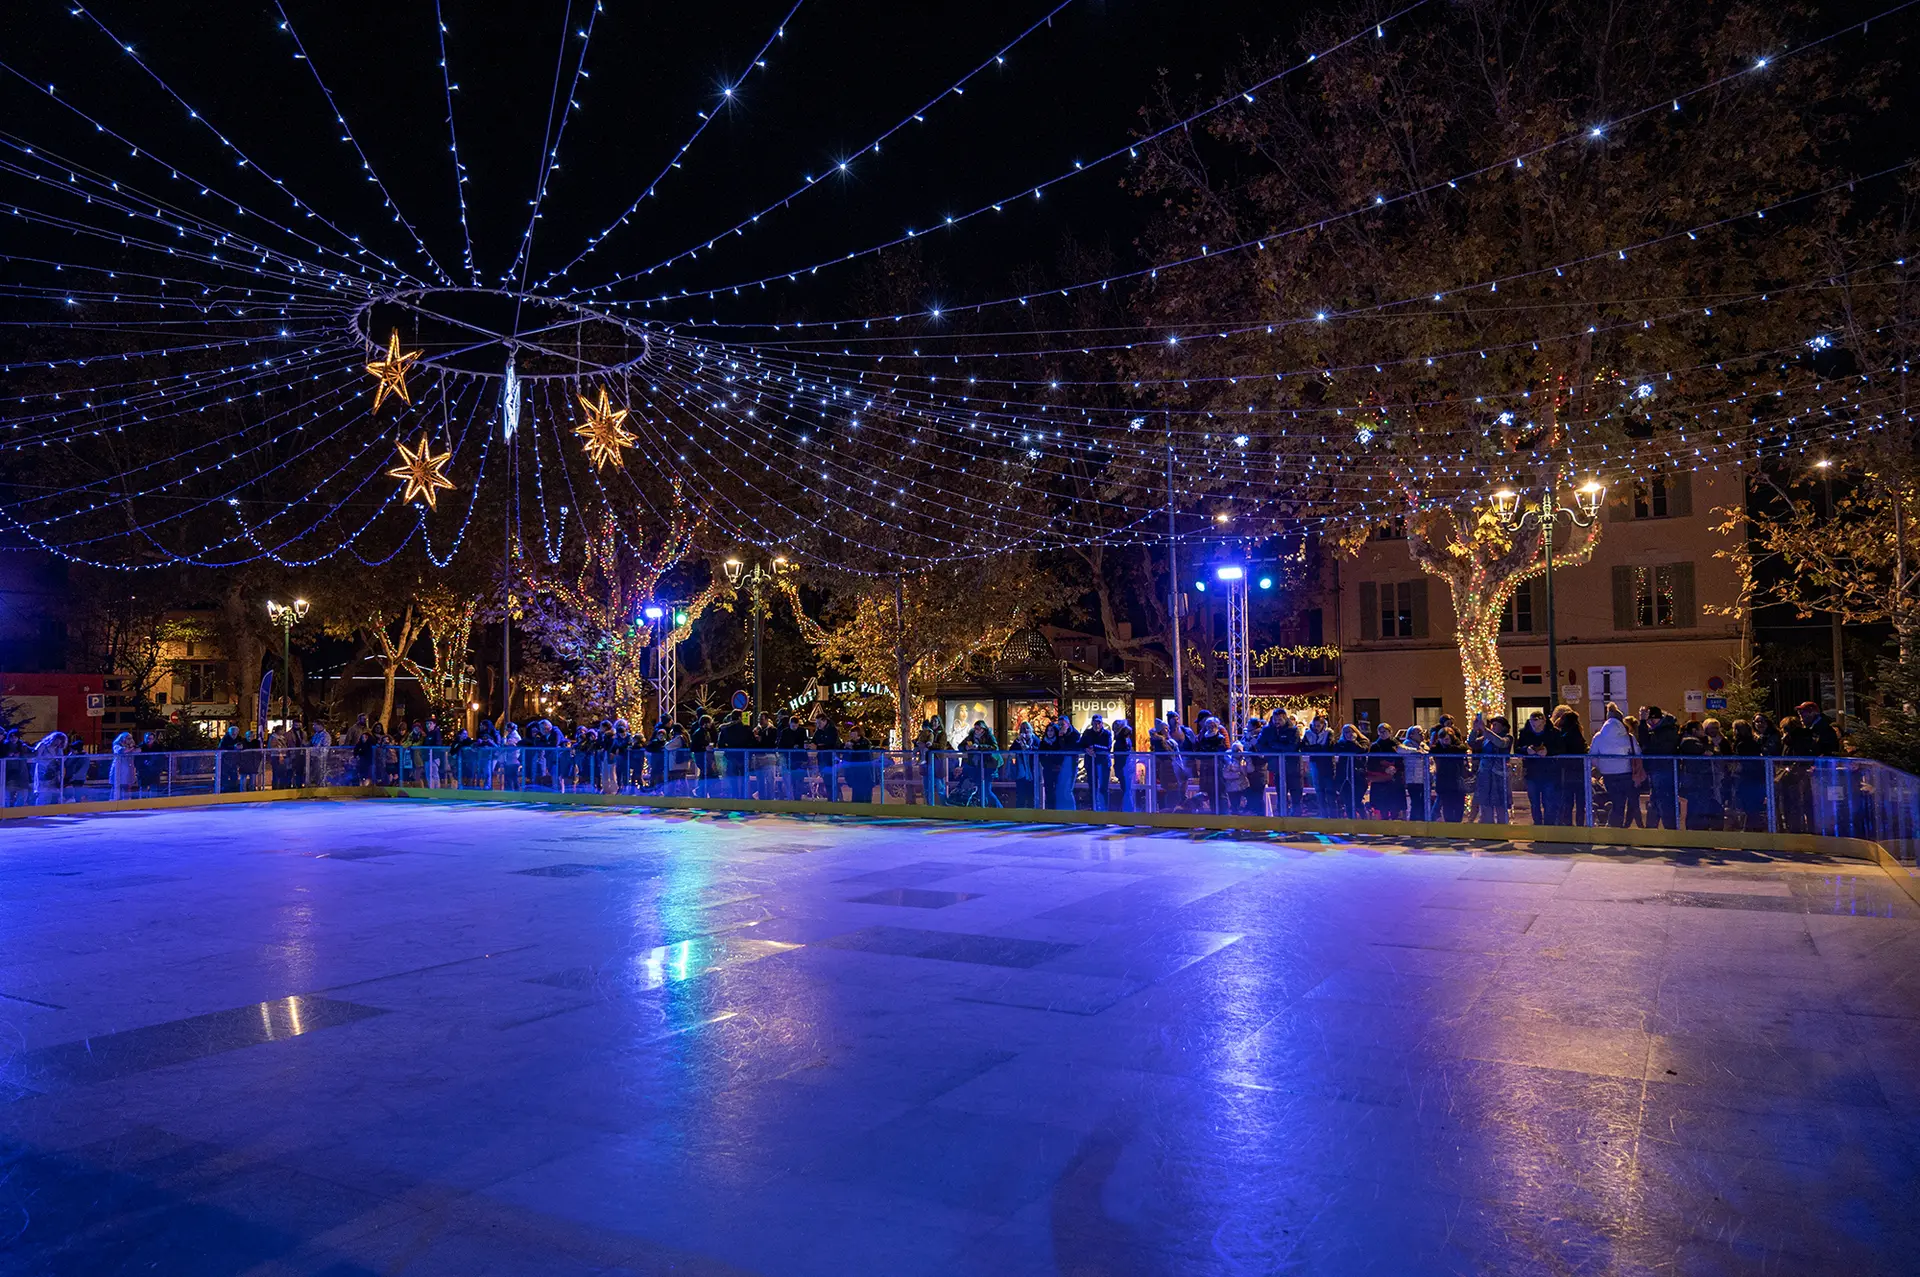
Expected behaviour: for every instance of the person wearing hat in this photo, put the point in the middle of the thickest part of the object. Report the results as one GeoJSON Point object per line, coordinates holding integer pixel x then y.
{"type": "Point", "coordinates": [1814, 736]}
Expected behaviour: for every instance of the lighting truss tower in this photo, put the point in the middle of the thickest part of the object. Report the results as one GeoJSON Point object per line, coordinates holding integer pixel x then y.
{"type": "Point", "coordinates": [666, 678]}
{"type": "Point", "coordinates": [1239, 657]}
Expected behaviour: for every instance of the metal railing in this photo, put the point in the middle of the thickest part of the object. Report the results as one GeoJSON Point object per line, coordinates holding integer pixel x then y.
{"type": "Point", "coordinates": [1835, 797]}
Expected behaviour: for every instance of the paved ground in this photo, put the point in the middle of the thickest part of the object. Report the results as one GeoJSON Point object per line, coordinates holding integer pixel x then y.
{"type": "Point", "coordinates": [371, 1037]}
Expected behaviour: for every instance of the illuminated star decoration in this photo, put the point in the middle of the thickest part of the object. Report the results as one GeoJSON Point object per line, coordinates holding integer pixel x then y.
{"type": "Point", "coordinates": [603, 432]}
{"type": "Point", "coordinates": [391, 372]}
{"type": "Point", "coordinates": [420, 468]}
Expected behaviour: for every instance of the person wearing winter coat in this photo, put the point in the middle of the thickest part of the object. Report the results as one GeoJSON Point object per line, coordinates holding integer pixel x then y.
{"type": "Point", "coordinates": [1386, 790]}
{"type": "Point", "coordinates": [1659, 742]}
{"type": "Point", "coordinates": [1097, 743]}
{"type": "Point", "coordinates": [121, 771]}
{"type": "Point", "coordinates": [1279, 743]}
{"type": "Point", "coordinates": [1123, 763]}
{"type": "Point", "coordinates": [1412, 747]}
{"type": "Point", "coordinates": [50, 770]}
{"type": "Point", "coordinates": [1316, 743]}
{"type": "Point", "coordinates": [1448, 755]}
{"type": "Point", "coordinates": [1531, 743]}
{"type": "Point", "coordinates": [1747, 792]}
{"type": "Point", "coordinates": [1567, 745]}
{"type": "Point", "coordinates": [1068, 776]}
{"type": "Point", "coordinates": [1169, 773]}
{"type": "Point", "coordinates": [1234, 792]}
{"type": "Point", "coordinates": [826, 740]}
{"type": "Point", "coordinates": [1491, 742]}
{"type": "Point", "coordinates": [1209, 744]}
{"type": "Point", "coordinates": [1613, 749]}
{"type": "Point", "coordinates": [1025, 751]}
{"type": "Point", "coordinates": [1700, 777]}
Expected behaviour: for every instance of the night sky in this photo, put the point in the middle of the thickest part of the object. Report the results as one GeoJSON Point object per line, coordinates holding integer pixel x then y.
{"type": "Point", "coordinates": [841, 75]}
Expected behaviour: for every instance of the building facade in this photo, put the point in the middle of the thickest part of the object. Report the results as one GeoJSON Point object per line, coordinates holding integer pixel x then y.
{"type": "Point", "coordinates": [1652, 619]}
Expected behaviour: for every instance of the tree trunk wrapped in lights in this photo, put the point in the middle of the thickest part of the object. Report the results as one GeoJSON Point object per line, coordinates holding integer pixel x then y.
{"type": "Point", "coordinates": [1483, 563]}
{"type": "Point", "coordinates": [591, 619]}
{"type": "Point", "coordinates": [1407, 340]}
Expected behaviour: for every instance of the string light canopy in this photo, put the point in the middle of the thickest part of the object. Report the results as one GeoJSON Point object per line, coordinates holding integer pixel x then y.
{"type": "Point", "coordinates": [212, 330]}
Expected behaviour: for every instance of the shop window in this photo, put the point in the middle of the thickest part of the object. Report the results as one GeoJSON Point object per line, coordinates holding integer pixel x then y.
{"type": "Point", "coordinates": [1426, 712]}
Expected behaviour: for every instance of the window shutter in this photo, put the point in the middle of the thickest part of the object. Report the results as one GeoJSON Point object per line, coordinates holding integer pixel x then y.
{"type": "Point", "coordinates": [1679, 494]}
{"type": "Point", "coordinates": [1623, 598]}
{"type": "Point", "coordinates": [1620, 501]}
{"type": "Point", "coordinates": [1539, 587]}
{"type": "Point", "coordinates": [1419, 608]}
{"type": "Point", "coordinates": [1369, 610]}
{"type": "Point", "coordinates": [1683, 616]}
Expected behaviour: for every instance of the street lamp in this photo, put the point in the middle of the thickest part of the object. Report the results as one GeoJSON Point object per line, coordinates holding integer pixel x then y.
{"type": "Point", "coordinates": [756, 578]}
{"type": "Point", "coordinates": [1515, 513]}
{"type": "Point", "coordinates": [286, 617]}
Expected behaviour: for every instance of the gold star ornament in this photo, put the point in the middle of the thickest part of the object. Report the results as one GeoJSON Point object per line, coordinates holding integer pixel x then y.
{"type": "Point", "coordinates": [603, 432]}
{"type": "Point", "coordinates": [390, 373]}
{"type": "Point", "coordinates": [421, 469]}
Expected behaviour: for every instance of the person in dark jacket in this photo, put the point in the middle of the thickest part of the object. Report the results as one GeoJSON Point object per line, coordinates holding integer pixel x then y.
{"type": "Point", "coordinates": [1208, 752]}
{"type": "Point", "coordinates": [1123, 763]}
{"type": "Point", "coordinates": [1699, 778]}
{"type": "Point", "coordinates": [1811, 735]}
{"type": "Point", "coordinates": [734, 741]}
{"type": "Point", "coordinates": [1279, 744]}
{"type": "Point", "coordinates": [1097, 744]}
{"type": "Point", "coordinates": [826, 740]}
{"type": "Point", "coordinates": [1063, 797]}
{"type": "Point", "coordinates": [857, 765]}
{"type": "Point", "coordinates": [1748, 792]}
{"type": "Point", "coordinates": [1348, 774]}
{"type": "Point", "coordinates": [1659, 742]}
{"type": "Point", "coordinates": [791, 743]}
{"type": "Point", "coordinates": [1449, 766]}
{"type": "Point", "coordinates": [1386, 790]}
{"type": "Point", "coordinates": [1052, 762]}
{"type": "Point", "coordinates": [1531, 743]}
{"type": "Point", "coordinates": [1567, 744]}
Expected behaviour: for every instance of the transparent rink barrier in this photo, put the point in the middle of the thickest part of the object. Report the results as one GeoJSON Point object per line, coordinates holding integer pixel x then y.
{"type": "Point", "coordinates": [1843, 797]}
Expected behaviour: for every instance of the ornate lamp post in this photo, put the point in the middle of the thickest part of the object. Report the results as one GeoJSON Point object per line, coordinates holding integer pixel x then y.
{"type": "Point", "coordinates": [1516, 511]}
{"type": "Point", "coordinates": [286, 617]}
{"type": "Point", "coordinates": [756, 578]}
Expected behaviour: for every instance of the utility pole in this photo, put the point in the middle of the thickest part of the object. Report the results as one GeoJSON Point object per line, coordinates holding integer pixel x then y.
{"type": "Point", "coordinates": [509, 418]}
{"type": "Point", "coordinates": [900, 657]}
{"type": "Point", "coordinates": [1825, 466]}
{"type": "Point", "coordinates": [1173, 590]}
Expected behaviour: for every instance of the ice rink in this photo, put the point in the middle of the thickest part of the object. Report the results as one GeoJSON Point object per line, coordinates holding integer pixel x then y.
{"type": "Point", "coordinates": [400, 1038]}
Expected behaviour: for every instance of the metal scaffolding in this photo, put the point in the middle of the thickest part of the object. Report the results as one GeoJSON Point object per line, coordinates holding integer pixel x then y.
{"type": "Point", "coordinates": [1239, 656]}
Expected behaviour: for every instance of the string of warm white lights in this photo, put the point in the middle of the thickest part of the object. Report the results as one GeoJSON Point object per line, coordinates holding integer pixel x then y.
{"type": "Point", "coordinates": [1515, 159]}
{"type": "Point", "coordinates": [650, 188]}
{"type": "Point", "coordinates": [226, 386]}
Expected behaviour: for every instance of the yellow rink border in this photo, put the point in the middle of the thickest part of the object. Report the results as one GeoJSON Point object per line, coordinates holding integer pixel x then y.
{"type": "Point", "coordinates": [1653, 839]}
